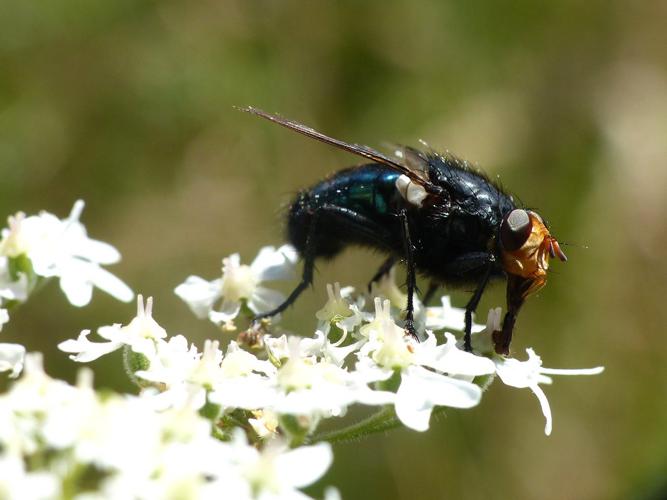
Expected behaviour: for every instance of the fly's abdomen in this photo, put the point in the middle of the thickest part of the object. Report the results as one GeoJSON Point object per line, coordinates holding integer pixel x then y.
{"type": "Point", "coordinates": [355, 206]}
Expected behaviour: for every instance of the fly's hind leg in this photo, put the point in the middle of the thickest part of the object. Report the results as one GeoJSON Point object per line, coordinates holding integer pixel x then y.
{"type": "Point", "coordinates": [309, 255]}
{"type": "Point", "coordinates": [360, 223]}
{"type": "Point", "coordinates": [430, 292]}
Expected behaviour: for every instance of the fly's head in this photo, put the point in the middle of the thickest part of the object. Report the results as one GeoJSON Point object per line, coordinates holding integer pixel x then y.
{"type": "Point", "coordinates": [525, 248]}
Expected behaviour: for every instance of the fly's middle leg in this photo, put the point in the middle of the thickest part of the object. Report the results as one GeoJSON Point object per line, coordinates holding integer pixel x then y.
{"type": "Point", "coordinates": [412, 273]}
{"type": "Point", "coordinates": [465, 264]}
{"type": "Point", "coordinates": [430, 292]}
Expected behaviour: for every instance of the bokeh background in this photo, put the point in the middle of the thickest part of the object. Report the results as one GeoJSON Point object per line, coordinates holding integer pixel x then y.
{"type": "Point", "coordinates": [129, 105]}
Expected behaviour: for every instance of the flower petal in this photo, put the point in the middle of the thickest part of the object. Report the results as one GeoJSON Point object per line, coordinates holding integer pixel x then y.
{"type": "Point", "coordinates": [572, 371]}
{"type": "Point", "coordinates": [4, 317]}
{"type": "Point", "coordinates": [110, 284]}
{"type": "Point", "coordinates": [448, 358]}
{"type": "Point", "coordinates": [305, 465]}
{"type": "Point", "coordinates": [96, 251]}
{"type": "Point", "coordinates": [544, 404]}
{"type": "Point", "coordinates": [421, 390]}
{"type": "Point", "coordinates": [199, 294]}
{"type": "Point", "coordinates": [228, 311]}
{"type": "Point", "coordinates": [77, 289]}
{"type": "Point", "coordinates": [11, 358]}
{"type": "Point", "coordinates": [264, 300]}
{"type": "Point", "coordinates": [271, 264]}
{"type": "Point", "coordinates": [84, 351]}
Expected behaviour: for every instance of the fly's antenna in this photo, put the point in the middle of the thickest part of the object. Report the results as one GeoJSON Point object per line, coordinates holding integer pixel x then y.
{"type": "Point", "coordinates": [573, 245]}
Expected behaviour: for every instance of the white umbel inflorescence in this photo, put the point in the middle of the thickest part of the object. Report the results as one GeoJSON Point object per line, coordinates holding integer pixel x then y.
{"type": "Point", "coordinates": [229, 419]}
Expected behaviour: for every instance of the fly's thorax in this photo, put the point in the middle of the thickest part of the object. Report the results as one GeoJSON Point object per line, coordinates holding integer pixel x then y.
{"type": "Point", "coordinates": [526, 246]}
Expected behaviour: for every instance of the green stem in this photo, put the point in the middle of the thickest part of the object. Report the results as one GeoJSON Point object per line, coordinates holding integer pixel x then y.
{"type": "Point", "coordinates": [382, 421]}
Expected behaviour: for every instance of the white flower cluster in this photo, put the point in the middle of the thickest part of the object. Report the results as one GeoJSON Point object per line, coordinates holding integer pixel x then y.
{"type": "Point", "coordinates": [44, 246]}
{"type": "Point", "coordinates": [38, 247]}
{"type": "Point", "coordinates": [64, 441]}
{"type": "Point", "coordinates": [310, 378]}
{"type": "Point", "coordinates": [233, 421]}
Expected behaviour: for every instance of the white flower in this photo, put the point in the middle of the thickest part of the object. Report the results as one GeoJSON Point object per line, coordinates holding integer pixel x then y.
{"type": "Point", "coordinates": [482, 340]}
{"type": "Point", "coordinates": [188, 375]}
{"type": "Point", "coordinates": [61, 248]}
{"type": "Point", "coordinates": [304, 385]}
{"type": "Point", "coordinates": [422, 390]}
{"type": "Point", "coordinates": [276, 472]}
{"type": "Point", "coordinates": [141, 334]}
{"type": "Point", "coordinates": [530, 374]}
{"type": "Point", "coordinates": [449, 358]}
{"type": "Point", "coordinates": [265, 423]}
{"type": "Point", "coordinates": [23, 407]}
{"type": "Point", "coordinates": [243, 381]}
{"type": "Point", "coordinates": [18, 484]}
{"type": "Point", "coordinates": [311, 386]}
{"type": "Point", "coordinates": [172, 363]}
{"type": "Point", "coordinates": [332, 352]}
{"type": "Point", "coordinates": [11, 358]}
{"type": "Point", "coordinates": [386, 288]}
{"type": "Point", "coordinates": [4, 317]}
{"type": "Point", "coordinates": [13, 243]}
{"type": "Point", "coordinates": [11, 289]}
{"type": "Point", "coordinates": [200, 295]}
{"type": "Point", "coordinates": [185, 373]}
{"type": "Point", "coordinates": [338, 310]}
{"type": "Point", "coordinates": [143, 452]}
{"type": "Point", "coordinates": [239, 283]}
{"type": "Point", "coordinates": [431, 375]}
{"type": "Point", "coordinates": [84, 351]}
{"type": "Point", "coordinates": [448, 317]}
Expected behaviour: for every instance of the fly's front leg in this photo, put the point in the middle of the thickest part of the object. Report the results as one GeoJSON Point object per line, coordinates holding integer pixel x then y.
{"type": "Point", "coordinates": [463, 265]}
{"type": "Point", "coordinates": [382, 271]}
{"type": "Point", "coordinates": [412, 275]}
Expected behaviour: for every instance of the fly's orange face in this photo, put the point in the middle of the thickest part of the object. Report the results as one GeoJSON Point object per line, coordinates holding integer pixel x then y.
{"type": "Point", "coordinates": [526, 247]}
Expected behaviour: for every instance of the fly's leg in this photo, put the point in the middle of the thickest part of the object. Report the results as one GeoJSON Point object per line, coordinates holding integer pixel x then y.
{"type": "Point", "coordinates": [471, 306]}
{"type": "Point", "coordinates": [360, 223]}
{"type": "Point", "coordinates": [382, 271]}
{"type": "Point", "coordinates": [432, 289]}
{"type": "Point", "coordinates": [412, 275]}
{"type": "Point", "coordinates": [462, 265]}
{"type": "Point", "coordinates": [306, 276]}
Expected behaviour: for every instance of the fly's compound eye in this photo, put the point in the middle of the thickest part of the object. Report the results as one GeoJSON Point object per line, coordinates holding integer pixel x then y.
{"type": "Point", "coordinates": [515, 229]}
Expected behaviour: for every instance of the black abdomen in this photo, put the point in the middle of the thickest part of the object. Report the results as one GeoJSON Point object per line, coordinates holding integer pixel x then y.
{"type": "Point", "coordinates": [354, 206]}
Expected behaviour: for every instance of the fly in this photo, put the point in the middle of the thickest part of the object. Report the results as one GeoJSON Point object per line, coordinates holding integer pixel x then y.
{"type": "Point", "coordinates": [444, 219]}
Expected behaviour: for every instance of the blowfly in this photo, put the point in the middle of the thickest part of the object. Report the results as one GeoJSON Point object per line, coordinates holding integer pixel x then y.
{"type": "Point", "coordinates": [435, 212]}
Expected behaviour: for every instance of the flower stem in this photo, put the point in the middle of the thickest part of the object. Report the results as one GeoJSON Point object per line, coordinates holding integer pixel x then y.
{"type": "Point", "coordinates": [381, 421]}
{"type": "Point", "coordinates": [384, 420]}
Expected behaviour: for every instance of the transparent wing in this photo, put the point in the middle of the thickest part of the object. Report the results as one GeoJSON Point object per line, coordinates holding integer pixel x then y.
{"type": "Point", "coordinates": [405, 157]}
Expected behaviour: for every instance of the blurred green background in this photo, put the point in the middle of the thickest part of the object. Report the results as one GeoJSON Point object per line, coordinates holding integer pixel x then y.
{"type": "Point", "coordinates": [129, 105]}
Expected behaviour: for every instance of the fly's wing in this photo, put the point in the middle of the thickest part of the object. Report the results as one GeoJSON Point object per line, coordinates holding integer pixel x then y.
{"type": "Point", "coordinates": [414, 160]}
{"type": "Point", "coordinates": [403, 163]}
